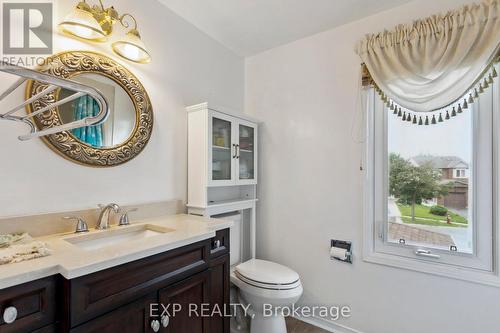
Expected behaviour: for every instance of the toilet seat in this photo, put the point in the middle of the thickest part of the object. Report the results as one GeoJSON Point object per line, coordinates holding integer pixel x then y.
{"type": "Point", "coordinates": [270, 295]}
{"type": "Point", "coordinates": [267, 275]}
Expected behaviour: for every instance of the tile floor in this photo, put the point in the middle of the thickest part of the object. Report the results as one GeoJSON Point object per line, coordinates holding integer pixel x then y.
{"type": "Point", "coordinates": [296, 326]}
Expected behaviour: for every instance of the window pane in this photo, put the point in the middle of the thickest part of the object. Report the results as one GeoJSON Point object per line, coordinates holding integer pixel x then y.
{"type": "Point", "coordinates": [429, 183]}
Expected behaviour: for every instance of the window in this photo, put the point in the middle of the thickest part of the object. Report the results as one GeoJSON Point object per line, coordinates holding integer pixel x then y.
{"type": "Point", "coordinates": [430, 188]}
{"type": "Point", "coordinates": [426, 206]}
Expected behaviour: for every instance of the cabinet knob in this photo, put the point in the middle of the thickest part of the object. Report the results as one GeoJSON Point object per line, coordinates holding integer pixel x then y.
{"type": "Point", "coordinates": [10, 315]}
{"type": "Point", "coordinates": [165, 320]}
{"type": "Point", "coordinates": [155, 325]}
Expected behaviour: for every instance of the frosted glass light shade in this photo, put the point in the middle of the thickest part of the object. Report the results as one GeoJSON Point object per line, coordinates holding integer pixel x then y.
{"type": "Point", "coordinates": [131, 47]}
{"type": "Point", "coordinates": [82, 24]}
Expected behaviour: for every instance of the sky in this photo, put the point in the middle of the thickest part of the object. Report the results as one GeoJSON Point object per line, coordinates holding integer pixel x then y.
{"type": "Point", "coordinates": [450, 138]}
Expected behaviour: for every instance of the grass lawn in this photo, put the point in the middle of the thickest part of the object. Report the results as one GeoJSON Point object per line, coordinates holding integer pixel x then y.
{"type": "Point", "coordinates": [432, 223]}
{"type": "Point", "coordinates": [422, 212]}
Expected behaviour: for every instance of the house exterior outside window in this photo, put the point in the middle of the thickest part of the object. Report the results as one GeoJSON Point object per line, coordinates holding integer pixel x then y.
{"type": "Point", "coordinates": [460, 173]}
{"type": "Point", "coordinates": [453, 173]}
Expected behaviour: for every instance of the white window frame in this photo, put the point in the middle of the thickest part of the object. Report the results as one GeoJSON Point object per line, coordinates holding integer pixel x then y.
{"type": "Point", "coordinates": [483, 265]}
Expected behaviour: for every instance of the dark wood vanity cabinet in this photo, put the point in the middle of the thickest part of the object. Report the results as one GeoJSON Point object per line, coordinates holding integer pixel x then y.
{"type": "Point", "coordinates": [131, 318]}
{"type": "Point", "coordinates": [35, 303]}
{"type": "Point", "coordinates": [189, 296]}
{"type": "Point", "coordinates": [219, 281]}
{"type": "Point", "coordinates": [131, 298]}
{"type": "Point", "coordinates": [219, 287]}
{"type": "Point", "coordinates": [98, 293]}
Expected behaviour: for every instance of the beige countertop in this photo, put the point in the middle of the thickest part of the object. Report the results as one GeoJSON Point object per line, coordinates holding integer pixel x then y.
{"type": "Point", "coordinates": [72, 261]}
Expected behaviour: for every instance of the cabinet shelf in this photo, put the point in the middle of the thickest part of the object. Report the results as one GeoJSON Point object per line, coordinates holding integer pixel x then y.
{"type": "Point", "coordinates": [232, 201]}
{"type": "Point", "coordinates": [220, 147]}
{"type": "Point", "coordinates": [228, 148]}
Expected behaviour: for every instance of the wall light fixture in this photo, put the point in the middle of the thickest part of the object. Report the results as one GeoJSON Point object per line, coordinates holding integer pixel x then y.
{"type": "Point", "coordinates": [96, 24]}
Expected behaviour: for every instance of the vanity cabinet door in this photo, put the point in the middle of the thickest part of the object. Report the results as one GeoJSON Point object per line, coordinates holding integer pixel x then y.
{"type": "Point", "coordinates": [48, 329]}
{"type": "Point", "coordinates": [31, 306]}
{"type": "Point", "coordinates": [131, 318]}
{"type": "Point", "coordinates": [219, 294]}
{"type": "Point", "coordinates": [189, 296]}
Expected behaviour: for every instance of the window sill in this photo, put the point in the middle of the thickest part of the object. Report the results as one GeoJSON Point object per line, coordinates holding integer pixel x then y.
{"type": "Point", "coordinates": [448, 271]}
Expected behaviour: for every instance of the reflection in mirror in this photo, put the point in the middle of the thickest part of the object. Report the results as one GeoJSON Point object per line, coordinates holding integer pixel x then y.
{"type": "Point", "coordinates": [122, 117]}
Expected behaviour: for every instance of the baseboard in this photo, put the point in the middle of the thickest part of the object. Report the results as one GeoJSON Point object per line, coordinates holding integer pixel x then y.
{"type": "Point", "coordinates": [328, 325]}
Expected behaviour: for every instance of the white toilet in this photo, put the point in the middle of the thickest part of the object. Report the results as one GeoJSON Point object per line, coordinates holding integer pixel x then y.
{"type": "Point", "coordinates": [262, 282]}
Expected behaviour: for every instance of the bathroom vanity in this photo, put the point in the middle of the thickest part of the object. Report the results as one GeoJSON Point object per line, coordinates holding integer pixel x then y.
{"type": "Point", "coordinates": [128, 295]}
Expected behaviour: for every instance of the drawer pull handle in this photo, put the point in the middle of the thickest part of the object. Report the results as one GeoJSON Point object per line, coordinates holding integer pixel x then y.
{"type": "Point", "coordinates": [10, 315]}
{"type": "Point", "coordinates": [165, 320]}
{"type": "Point", "coordinates": [155, 325]}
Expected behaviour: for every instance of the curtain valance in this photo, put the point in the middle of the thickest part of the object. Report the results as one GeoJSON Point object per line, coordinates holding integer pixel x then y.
{"type": "Point", "coordinates": [432, 63]}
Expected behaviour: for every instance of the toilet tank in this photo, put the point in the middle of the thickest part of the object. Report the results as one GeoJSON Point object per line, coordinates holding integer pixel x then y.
{"type": "Point", "coordinates": [235, 236]}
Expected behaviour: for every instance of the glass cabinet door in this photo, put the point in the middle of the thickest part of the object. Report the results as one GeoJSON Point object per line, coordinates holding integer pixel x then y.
{"type": "Point", "coordinates": [246, 152]}
{"type": "Point", "coordinates": [221, 149]}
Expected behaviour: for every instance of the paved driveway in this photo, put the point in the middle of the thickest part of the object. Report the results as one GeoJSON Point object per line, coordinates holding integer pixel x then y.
{"type": "Point", "coordinates": [459, 236]}
{"type": "Point", "coordinates": [394, 212]}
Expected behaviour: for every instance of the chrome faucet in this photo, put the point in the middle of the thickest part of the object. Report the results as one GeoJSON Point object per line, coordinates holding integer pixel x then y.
{"type": "Point", "coordinates": [103, 221]}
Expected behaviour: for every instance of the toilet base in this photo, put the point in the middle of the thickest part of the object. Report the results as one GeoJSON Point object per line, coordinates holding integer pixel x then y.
{"type": "Point", "coordinates": [273, 324]}
{"type": "Point", "coordinates": [240, 323]}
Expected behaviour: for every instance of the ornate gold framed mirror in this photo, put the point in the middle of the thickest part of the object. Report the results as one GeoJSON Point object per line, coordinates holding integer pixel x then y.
{"type": "Point", "coordinates": [130, 122]}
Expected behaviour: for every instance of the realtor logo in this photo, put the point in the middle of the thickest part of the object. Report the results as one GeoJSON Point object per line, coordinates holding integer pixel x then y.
{"type": "Point", "coordinates": [27, 28]}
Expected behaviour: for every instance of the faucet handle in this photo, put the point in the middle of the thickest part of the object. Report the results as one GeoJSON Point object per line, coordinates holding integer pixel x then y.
{"type": "Point", "coordinates": [113, 206]}
{"type": "Point", "coordinates": [81, 225]}
{"type": "Point", "coordinates": [124, 218]}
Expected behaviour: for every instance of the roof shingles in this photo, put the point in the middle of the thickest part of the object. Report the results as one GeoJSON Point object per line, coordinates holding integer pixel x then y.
{"type": "Point", "coordinates": [440, 162]}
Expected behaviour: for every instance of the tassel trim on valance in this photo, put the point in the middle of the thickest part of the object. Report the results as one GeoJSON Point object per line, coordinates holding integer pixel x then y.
{"type": "Point", "coordinates": [435, 117]}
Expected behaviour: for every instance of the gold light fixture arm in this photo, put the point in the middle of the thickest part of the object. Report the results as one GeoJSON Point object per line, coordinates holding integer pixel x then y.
{"type": "Point", "coordinates": [84, 6]}
{"type": "Point", "coordinates": [125, 24]}
{"type": "Point", "coordinates": [102, 5]}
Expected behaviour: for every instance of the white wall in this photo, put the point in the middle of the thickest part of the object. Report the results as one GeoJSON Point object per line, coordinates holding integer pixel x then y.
{"type": "Point", "coordinates": [187, 68]}
{"type": "Point", "coordinates": [310, 188]}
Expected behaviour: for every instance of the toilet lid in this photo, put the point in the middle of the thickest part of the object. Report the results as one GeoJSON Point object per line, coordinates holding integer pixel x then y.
{"type": "Point", "coordinates": [267, 272]}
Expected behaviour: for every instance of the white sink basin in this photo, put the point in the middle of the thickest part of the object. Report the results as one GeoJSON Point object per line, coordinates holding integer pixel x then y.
{"type": "Point", "coordinates": [100, 239]}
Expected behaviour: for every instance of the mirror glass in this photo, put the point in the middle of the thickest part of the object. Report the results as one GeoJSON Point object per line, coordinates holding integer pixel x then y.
{"type": "Point", "coordinates": [119, 126]}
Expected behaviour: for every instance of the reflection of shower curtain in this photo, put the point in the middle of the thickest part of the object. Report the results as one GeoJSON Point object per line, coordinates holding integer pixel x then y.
{"type": "Point", "coordinates": [86, 106]}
